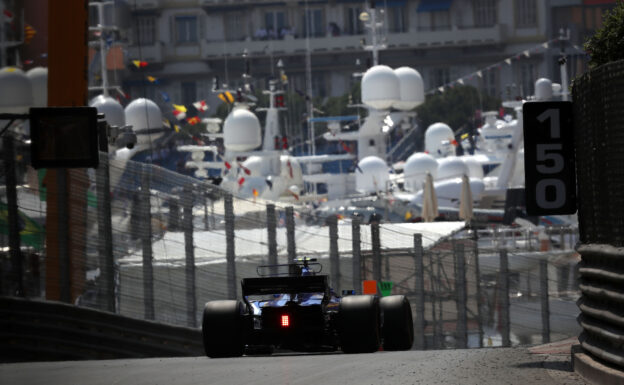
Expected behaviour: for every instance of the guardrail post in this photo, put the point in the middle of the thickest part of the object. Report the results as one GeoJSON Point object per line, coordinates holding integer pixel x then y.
{"type": "Point", "coordinates": [504, 298]}
{"type": "Point", "coordinates": [14, 236]}
{"type": "Point", "coordinates": [230, 254]}
{"type": "Point", "coordinates": [272, 236]}
{"type": "Point", "coordinates": [460, 285]}
{"type": "Point", "coordinates": [419, 288]}
{"type": "Point", "coordinates": [105, 233]}
{"type": "Point", "coordinates": [63, 236]}
{"type": "Point", "coordinates": [146, 241]}
{"type": "Point", "coordinates": [357, 255]}
{"type": "Point", "coordinates": [334, 260]}
{"type": "Point", "coordinates": [543, 268]}
{"type": "Point", "coordinates": [290, 234]}
{"type": "Point", "coordinates": [187, 224]}
{"type": "Point", "coordinates": [376, 251]}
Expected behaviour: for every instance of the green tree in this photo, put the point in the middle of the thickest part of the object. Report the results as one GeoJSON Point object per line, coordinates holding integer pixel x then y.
{"type": "Point", "coordinates": [607, 44]}
{"type": "Point", "coordinates": [455, 106]}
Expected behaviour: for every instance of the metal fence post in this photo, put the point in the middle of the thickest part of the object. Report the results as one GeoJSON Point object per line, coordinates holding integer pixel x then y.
{"type": "Point", "coordinates": [146, 240]}
{"type": "Point", "coordinates": [357, 255]}
{"type": "Point", "coordinates": [174, 214]}
{"type": "Point", "coordinates": [187, 224]}
{"type": "Point", "coordinates": [543, 267]}
{"type": "Point", "coordinates": [63, 236]}
{"type": "Point", "coordinates": [419, 288]}
{"type": "Point", "coordinates": [230, 255]}
{"type": "Point", "coordinates": [376, 251]}
{"type": "Point", "coordinates": [290, 234]}
{"type": "Point", "coordinates": [14, 236]}
{"type": "Point", "coordinates": [478, 286]}
{"type": "Point", "coordinates": [334, 261]}
{"type": "Point", "coordinates": [105, 234]}
{"type": "Point", "coordinates": [504, 298]}
{"type": "Point", "coordinates": [462, 298]}
{"type": "Point", "coordinates": [272, 237]}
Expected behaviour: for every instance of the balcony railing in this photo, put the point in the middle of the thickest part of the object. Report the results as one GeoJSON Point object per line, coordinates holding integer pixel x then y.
{"type": "Point", "coordinates": [152, 53]}
{"type": "Point", "coordinates": [412, 39]}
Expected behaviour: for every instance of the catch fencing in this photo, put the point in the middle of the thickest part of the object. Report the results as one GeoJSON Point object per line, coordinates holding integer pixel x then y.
{"type": "Point", "coordinates": [142, 241]}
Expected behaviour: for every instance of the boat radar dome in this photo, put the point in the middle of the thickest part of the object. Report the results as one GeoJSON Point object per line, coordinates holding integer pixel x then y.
{"type": "Point", "coordinates": [143, 115]}
{"type": "Point", "coordinates": [241, 130]}
{"type": "Point", "coordinates": [380, 87]}
{"type": "Point", "coordinates": [112, 110]}
{"type": "Point", "coordinates": [372, 175]}
{"type": "Point", "coordinates": [452, 168]}
{"type": "Point", "coordinates": [416, 168]}
{"type": "Point", "coordinates": [438, 138]}
{"type": "Point", "coordinates": [543, 89]}
{"type": "Point", "coordinates": [39, 80]}
{"type": "Point", "coordinates": [411, 89]}
{"type": "Point", "coordinates": [16, 96]}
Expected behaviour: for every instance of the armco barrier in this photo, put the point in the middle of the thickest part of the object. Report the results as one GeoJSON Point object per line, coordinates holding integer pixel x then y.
{"type": "Point", "coordinates": [32, 330]}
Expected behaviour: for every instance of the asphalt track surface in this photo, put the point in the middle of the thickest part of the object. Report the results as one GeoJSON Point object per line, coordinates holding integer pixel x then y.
{"type": "Point", "coordinates": [465, 367]}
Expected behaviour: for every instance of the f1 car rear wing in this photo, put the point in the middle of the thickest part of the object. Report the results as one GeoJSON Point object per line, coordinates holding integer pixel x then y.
{"type": "Point", "coordinates": [285, 285]}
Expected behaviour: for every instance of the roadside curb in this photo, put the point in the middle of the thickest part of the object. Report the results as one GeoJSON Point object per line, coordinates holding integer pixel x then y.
{"type": "Point", "coordinates": [593, 371]}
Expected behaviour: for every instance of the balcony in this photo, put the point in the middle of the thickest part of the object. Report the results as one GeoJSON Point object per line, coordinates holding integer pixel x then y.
{"type": "Point", "coordinates": [291, 45]}
{"type": "Point", "coordinates": [150, 53]}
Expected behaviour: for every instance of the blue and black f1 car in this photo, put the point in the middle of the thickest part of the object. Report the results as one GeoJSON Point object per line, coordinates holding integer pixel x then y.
{"type": "Point", "coordinates": [298, 311]}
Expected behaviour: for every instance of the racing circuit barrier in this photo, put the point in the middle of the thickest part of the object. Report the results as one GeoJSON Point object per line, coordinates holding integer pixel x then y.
{"type": "Point", "coordinates": [598, 99]}
{"type": "Point", "coordinates": [157, 244]}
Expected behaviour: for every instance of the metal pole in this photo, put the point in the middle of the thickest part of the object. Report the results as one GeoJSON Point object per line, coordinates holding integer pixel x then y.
{"type": "Point", "coordinates": [544, 299]}
{"type": "Point", "coordinates": [146, 240]}
{"type": "Point", "coordinates": [230, 255]}
{"type": "Point", "coordinates": [462, 298]}
{"type": "Point", "coordinates": [105, 234]}
{"type": "Point", "coordinates": [357, 255]}
{"type": "Point", "coordinates": [191, 303]}
{"type": "Point", "coordinates": [376, 251]}
{"type": "Point", "coordinates": [290, 234]}
{"type": "Point", "coordinates": [272, 235]}
{"type": "Point", "coordinates": [478, 286]}
{"type": "Point", "coordinates": [419, 288]}
{"type": "Point", "coordinates": [63, 236]}
{"type": "Point", "coordinates": [504, 298]}
{"type": "Point", "coordinates": [206, 226]}
{"type": "Point", "coordinates": [14, 236]}
{"type": "Point", "coordinates": [174, 214]}
{"type": "Point", "coordinates": [334, 260]}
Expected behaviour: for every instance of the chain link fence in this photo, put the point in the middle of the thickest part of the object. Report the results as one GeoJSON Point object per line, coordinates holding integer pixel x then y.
{"type": "Point", "coordinates": [142, 241]}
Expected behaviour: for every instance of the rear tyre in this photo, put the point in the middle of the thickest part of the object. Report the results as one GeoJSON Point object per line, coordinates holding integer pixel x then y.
{"type": "Point", "coordinates": [398, 328]}
{"type": "Point", "coordinates": [223, 328]}
{"type": "Point", "coordinates": [358, 326]}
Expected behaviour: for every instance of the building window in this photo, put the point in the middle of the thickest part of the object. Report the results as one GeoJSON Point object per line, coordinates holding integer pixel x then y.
{"type": "Point", "coordinates": [189, 93]}
{"type": "Point", "coordinates": [235, 27]}
{"type": "Point", "coordinates": [396, 20]}
{"type": "Point", "coordinates": [434, 21]}
{"type": "Point", "coordinates": [526, 13]}
{"type": "Point", "coordinates": [274, 23]}
{"type": "Point", "coordinates": [490, 83]}
{"type": "Point", "coordinates": [528, 75]}
{"type": "Point", "coordinates": [186, 29]}
{"type": "Point", "coordinates": [353, 24]}
{"type": "Point", "coordinates": [485, 12]}
{"type": "Point", "coordinates": [145, 29]}
{"type": "Point", "coordinates": [313, 23]}
{"type": "Point", "coordinates": [440, 76]}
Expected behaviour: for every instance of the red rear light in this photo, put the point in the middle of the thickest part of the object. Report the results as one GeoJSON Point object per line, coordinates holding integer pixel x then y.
{"type": "Point", "coordinates": [285, 321]}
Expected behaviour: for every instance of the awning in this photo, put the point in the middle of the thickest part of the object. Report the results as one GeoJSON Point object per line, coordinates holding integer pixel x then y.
{"type": "Point", "coordinates": [434, 5]}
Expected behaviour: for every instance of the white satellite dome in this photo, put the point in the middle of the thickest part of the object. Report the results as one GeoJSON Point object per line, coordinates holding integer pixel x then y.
{"type": "Point", "coordinates": [543, 89]}
{"type": "Point", "coordinates": [475, 170]}
{"type": "Point", "coordinates": [291, 170]}
{"type": "Point", "coordinates": [39, 80]}
{"type": "Point", "coordinates": [241, 130]}
{"type": "Point", "coordinates": [437, 140]}
{"type": "Point", "coordinates": [112, 110]}
{"type": "Point", "coordinates": [143, 114]}
{"type": "Point", "coordinates": [257, 165]}
{"type": "Point", "coordinates": [16, 95]}
{"type": "Point", "coordinates": [380, 87]}
{"type": "Point", "coordinates": [372, 175]}
{"type": "Point", "coordinates": [452, 167]}
{"type": "Point", "coordinates": [416, 168]}
{"type": "Point", "coordinates": [411, 89]}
